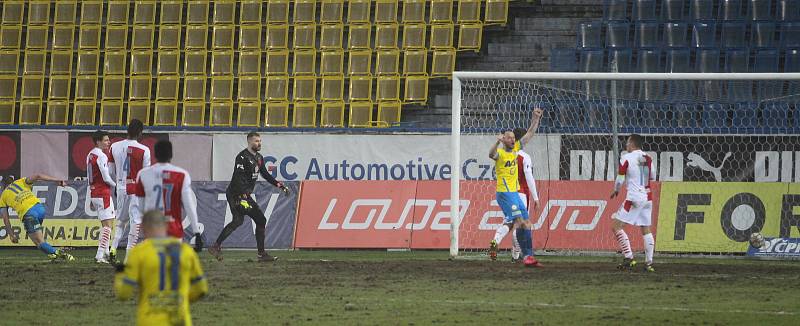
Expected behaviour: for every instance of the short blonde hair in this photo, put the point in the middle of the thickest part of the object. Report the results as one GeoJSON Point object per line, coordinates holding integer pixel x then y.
{"type": "Point", "coordinates": [154, 218]}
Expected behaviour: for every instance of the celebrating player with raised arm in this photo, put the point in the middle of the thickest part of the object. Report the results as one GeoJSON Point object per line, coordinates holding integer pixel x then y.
{"type": "Point", "coordinates": [100, 185]}
{"type": "Point", "coordinates": [635, 170]}
{"type": "Point", "coordinates": [249, 164]}
{"type": "Point", "coordinates": [18, 196]}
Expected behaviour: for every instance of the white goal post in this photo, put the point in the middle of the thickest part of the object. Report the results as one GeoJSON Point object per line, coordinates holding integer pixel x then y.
{"type": "Point", "coordinates": [584, 86]}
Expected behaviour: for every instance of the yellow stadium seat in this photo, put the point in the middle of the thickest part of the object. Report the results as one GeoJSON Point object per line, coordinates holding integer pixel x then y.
{"type": "Point", "coordinates": [113, 87]}
{"type": "Point", "coordinates": [194, 63]}
{"type": "Point", "coordinates": [143, 37]}
{"type": "Point", "coordinates": [358, 37]}
{"type": "Point", "coordinates": [276, 114]}
{"type": "Point", "coordinates": [88, 62]}
{"type": "Point", "coordinates": [221, 114]}
{"type": "Point", "coordinates": [360, 114]}
{"type": "Point", "coordinates": [139, 110]}
{"type": "Point", "coordinates": [194, 114]}
{"type": "Point", "coordinates": [444, 62]}
{"type": "Point", "coordinates": [139, 87]}
{"type": "Point", "coordinates": [332, 88]}
{"type": "Point", "coordinates": [331, 36]}
{"type": "Point", "coordinates": [305, 115]}
{"type": "Point", "coordinates": [441, 11]}
{"type": "Point", "coordinates": [387, 62]}
{"type": "Point", "coordinates": [469, 11]}
{"type": "Point", "coordinates": [111, 113]}
{"type": "Point", "coordinates": [250, 12]}
{"type": "Point", "coordinates": [57, 112]}
{"type": "Point", "coordinates": [277, 88]}
{"type": "Point", "coordinates": [305, 11]}
{"type": "Point", "coordinates": [224, 12]}
{"type": "Point", "coordinates": [414, 11]}
{"type": "Point", "coordinates": [38, 13]}
{"type": "Point", "coordinates": [35, 60]}
{"type": "Point", "coordinates": [305, 62]}
{"type": "Point", "coordinates": [197, 12]}
{"type": "Point", "coordinates": [414, 36]}
{"type": "Point", "coordinates": [223, 37]}
{"type": "Point", "coordinates": [249, 63]}
{"type": "Point", "coordinates": [416, 90]}
{"type": "Point", "coordinates": [117, 37]}
{"type": "Point", "coordinates": [13, 11]}
{"type": "Point", "coordinates": [37, 37]}
{"type": "Point", "coordinates": [250, 37]}
{"type": "Point", "coordinates": [59, 88]}
{"type": "Point", "coordinates": [249, 88]}
{"type": "Point", "coordinates": [118, 12]}
{"type": "Point", "coordinates": [305, 36]}
{"type": "Point", "coordinates": [415, 62]}
{"type": "Point", "coordinates": [196, 37]}
{"type": "Point", "coordinates": [496, 12]}
{"type": "Point", "coordinates": [8, 87]}
{"type": "Point", "coordinates": [360, 88]}
{"type": "Point", "coordinates": [222, 63]}
{"type": "Point", "coordinates": [305, 88]}
{"type": "Point", "coordinates": [332, 63]}
{"type": "Point", "coordinates": [86, 87]}
{"type": "Point", "coordinates": [9, 62]}
{"type": "Point", "coordinates": [30, 112]}
{"type": "Point", "coordinates": [388, 89]}
{"type": "Point", "coordinates": [249, 114]}
{"type": "Point", "coordinates": [168, 62]}
{"type": "Point", "coordinates": [83, 113]}
{"type": "Point", "coordinates": [10, 36]}
{"type": "Point", "coordinates": [442, 36]}
{"type": "Point", "coordinates": [91, 12]}
{"type": "Point", "coordinates": [221, 88]}
{"type": "Point", "coordinates": [166, 113]}
{"type": "Point", "coordinates": [63, 37]}
{"type": "Point", "coordinates": [144, 13]}
{"type": "Point", "coordinates": [277, 36]}
{"type": "Point", "coordinates": [277, 62]}
{"type": "Point", "coordinates": [359, 63]}
{"type": "Point", "coordinates": [278, 11]}
{"type": "Point", "coordinates": [32, 87]}
{"type": "Point", "coordinates": [194, 88]}
{"type": "Point", "coordinates": [89, 37]}
{"type": "Point", "coordinates": [169, 37]}
{"type": "Point", "coordinates": [358, 11]}
{"type": "Point", "coordinates": [7, 112]}
{"type": "Point", "coordinates": [332, 115]}
{"type": "Point", "coordinates": [171, 12]}
{"type": "Point", "coordinates": [386, 36]}
{"type": "Point", "coordinates": [332, 11]}
{"type": "Point", "coordinates": [389, 112]}
{"type": "Point", "coordinates": [385, 11]}
{"type": "Point", "coordinates": [167, 88]}
{"type": "Point", "coordinates": [469, 37]}
{"type": "Point", "coordinates": [141, 62]}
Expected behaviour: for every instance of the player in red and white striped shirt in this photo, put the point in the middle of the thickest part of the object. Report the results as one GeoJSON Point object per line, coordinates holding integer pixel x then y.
{"type": "Point", "coordinates": [167, 188]}
{"type": "Point", "coordinates": [100, 185]}
{"type": "Point", "coordinates": [129, 157]}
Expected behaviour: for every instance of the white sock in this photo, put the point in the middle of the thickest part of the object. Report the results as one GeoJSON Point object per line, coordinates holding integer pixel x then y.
{"type": "Point", "coordinates": [117, 234]}
{"type": "Point", "coordinates": [649, 246]}
{"type": "Point", "coordinates": [133, 237]}
{"type": "Point", "coordinates": [624, 243]}
{"type": "Point", "coordinates": [515, 249]}
{"type": "Point", "coordinates": [500, 233]}
{"type": "Point", "coordinates": [102, 246]}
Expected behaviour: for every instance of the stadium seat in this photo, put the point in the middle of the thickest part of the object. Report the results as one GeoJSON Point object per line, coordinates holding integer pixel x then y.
{"type": "Point", "coordinates": [469, 36]}
{"type": "Point", "coordinates": [166, 113]}
{"type": "Point", "coordinates": [678, 60]}
{"type": "Point", "coordinates": [730, 10]}
{"type": "Point", "coordinates": [589, 35]}
{"type": "Point", "coordinates": [358, 11]}
{"type": "Point", "coordinates": [441, 11]}
{"type": "Point", "coordinates": [88, 62]}
{"type": "Point", "coordinates": [116, 37]}
{"type": "Point", "coordinates": [83, 113]}
{"type": "Point", "coordinates": [57, 112]}
{"type": "Point", "coordinates": [117, 13]}
{"type": "Point", "coordinates": [86, 87]}
{"type": "Point", "coordinates": [304, 12]}
{"type": "Point", "coordinates": [617, 34]}
{"type": "Point", "coordinates": [30, 112]}
{"type": "Point", "coordinates": [414, 36]}
{"type": "Point", "coordinates": [276, 114]}
{"type": "Point", "coordinates": [91, 12]}
{"type": "Point", "coordinates": [563, 60]}
{"type": "Point", "coordinates": [194, 88]}
{"type": "Point", "coordinates": [139, 87]}
{"type": "Point", "coordinates": [221, 88]}
{"type": "Point", "coordinates": [221, 114]}
{"type": "Point", "coordinates": [623, 59]}
{"type": "Point", "coordinates": [169, 37]}
{"type": "Point", "coordinates": [143, 36]}
{"type": "Point", "coordinates": [331, 63]}
{"type": "Point", "coordinates": [649, 60]}
{"type": "Point", "coordinates": [304, 36]}
{"type": "Point", "coordinates": [791, 63]}
{"type": "Point", "coordinates": [704, 35]}
{"type": "Point", "coordinates": [196, 37]}
{"type": "Point", "coordinates": [646, 35]}
{"type": "Point", "coordinates": [332, 11]}
{"type": "Point", "coordinates": [36, 38]}
{"type": "Point", "coordinates": [144, 13]}
{"type": "Point", "coordinates": [249, 88]}
{"type": "Point", "coordinates": [249, 114]}
{"type": "Point", "coordinates": [331, 36]}
{"type": "Point", "coordinates": [194, 63]}
{"type": "Point", "coordinates": [701, 10]}
{"type": "Point", "coordinates": [9, 62]}
{"type": "Point", "coordinates": [305, 115]}
{"type": "Point", "coordinates": [115, 63]}
{"type": "Point", "coordinates": [385, 11]}
{"type": "Point", "coordinates": [738, 61]}
{"type": "Point", "coordinates": [222, 63]}
{"type": "Point", "coordinates": [444, 62]}
{"type": "Point", "coordinates": [172, 12]}
{"type": "Point", "coordinates": [762, 34]}
{"type": "Point", "coordinates": [139, 110]}
{"type": "Point", "coordinates": [7, 112]}
{"type": "Point", "coordinates": [759, 9]}
{"type": "Point", "coordinates": [615, 10]}
{"type": "Point", "coordinates": [708, 61]}
{"type": "Point", "coordinates": [496, 12]}
{"type": "Point", "coordinates": [388, 89]}
{"type": "Point", "coordinates": [790, 34]}
{"type": "Point", "coordinates": [38, 13]}
{"type": "Point", "coordinates": [64, 36]}
{"type": "Point", "coordinates": [469, 11]}
{"type": "Point", "coordinates": [745, 116]}
{"type": "Point", "coordinates": [13, 12]}
{"type": "Point", "coordinates": [413, 12]}
{"type": "Point", "coordinates": [415, 62]}
{"type": "Point", "coordinates": [788, 10]}
{"type": "Point", "coordinates": [249, 63]}
{"type": "Point", "coordinates": [332, 88]}
{"type": "Point", "coordinates": [277, 62]}
{"type": "Point", "coordinates": [60, 63]}
{"type": "Point", "coordinates": [591, 60]}
{"type": "Point", "coordinates": [166, 88]}
{"type": "Point", "coordinates": [386, 35]}
{"type": "Point", "coordinates": [32, 86]}
{"type": "Point", "coordinates": [168, 62]}
{"type": "Point", "coordinates": [278, 11]}
{"type": "Point", "coordinates": [359, 62]}
{"type": "Point", "coordinates": [59, 88]}
{"type": "Point", "coordinates": [766, 60]}
{"type": "Point", "coordinates": [733, 34]}
{"type": "Point", "coordinates": [10, 36]}
{"type": "Point", "coordinates": [194, 114]}
{"type": "Point", "coordinates": [332, 115]}
{"type": "Point", "coordinates": [360, 114]}
{"type": "Point", "coordinates": [775, 116]}
{"type": "Point", "coordinates": [644, 10]}
{"type": "Point", "coordinates": [305, 62]}
{"type": "Point", "coordinates": [441, 36]}
{"type": "Point", "coordinates": [359, 37]}
{"type": "Point", "coordinates": [304, 88]}
{"type": "Point", "coordinates": [141, 63]}
{"type": "Point", "coordinates": [389, 112]}
{"type": "Point", "coordinates": [35, 60]}
{"type": "Point", "coordinates": [675, 35]}
{"type": "Point", "coordinates": [110, 113]}
{"type": "Point", "coordinates": [250, 37]}
{"type": "Point", "coordinates": [360, 88]}
{"type": "Point", "coordinates": [416, 89]}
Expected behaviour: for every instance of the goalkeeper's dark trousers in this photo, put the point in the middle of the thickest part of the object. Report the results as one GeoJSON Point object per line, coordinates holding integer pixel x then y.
{"type": "Point", "coordinates": [239, 211]}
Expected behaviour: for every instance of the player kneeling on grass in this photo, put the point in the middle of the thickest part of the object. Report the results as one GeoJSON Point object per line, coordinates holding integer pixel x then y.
{"type": "Point", "coordinates": [17, 195]}
{"type": "Point", "coordinates": [166, 272]}
{"type": "Point", "coordinates": [635, 170]}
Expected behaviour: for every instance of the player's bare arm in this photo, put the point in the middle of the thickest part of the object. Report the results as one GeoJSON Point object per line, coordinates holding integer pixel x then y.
{"type": "Point", "coordinates": [11, 235]}
{"type": "Point", "coordinates": [493, 151]}
{"type": "Point", "coordinates": [535, 120]}
{"type": "Point", "coordinates": [43, 177]}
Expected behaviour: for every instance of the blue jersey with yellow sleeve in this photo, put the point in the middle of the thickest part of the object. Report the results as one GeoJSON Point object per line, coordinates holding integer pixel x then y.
{"type": "Point", "coordinates": [19, 197]}
{"type": "Point", "coordinates": [505, 168]}
{"type": "Point", "coordinates": [168, 275]}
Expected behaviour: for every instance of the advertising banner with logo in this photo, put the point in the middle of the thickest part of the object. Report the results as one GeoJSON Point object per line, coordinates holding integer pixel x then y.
{"type": "Point", "coordinates": [719, 217]}
{"type": "Point", "coordinates": [416, 215]}
{"type": "Point", "coordinates": [776, 247]}
{"type": "Point", "coordinates": [70, 220]}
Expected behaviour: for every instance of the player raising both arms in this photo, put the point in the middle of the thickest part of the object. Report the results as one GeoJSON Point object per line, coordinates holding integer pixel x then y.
{"type": "Point", "coordinates": [18, 196]}
{"type": "Point", "coordinates": [635, 170]}
{"type": "Point", "coordinates": [100, 185]}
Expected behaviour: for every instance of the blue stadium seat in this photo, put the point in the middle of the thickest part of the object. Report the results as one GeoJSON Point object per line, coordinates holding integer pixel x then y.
{"type": "Point", "coordinates": [715, 117]}
{"type": "Point", "coordinates": [644, 10]}
{"type": "Point", "coordinates": [766, 60]}
{"type": "Point", "coordinates": [563, 60]}
{"type": "Point", "coordinates": [730, 10]}
{"type": "Point", "coordinates": [675, 35]}
{"type": "Point", "coordinates": [598, 115]}
{"type": "Point", "coordinates": [704, 34]}
{"type": "Point", "coordinates": [646, 35]}
{"type": "Point", "coordinates": [707, 60]}
{"type": "Point", "coordinates": [790, 34]}
{"type": "Point", "coordinates": [788, 10]}
{"type": "Point", "coordinates": [589, 35]}
{"type": "Point", "coordinates": [672, 10]}
{"type": "Point", "coordinates": [617, 34]}
{"type": "Point", "coordinates": [775, 117]}
{"type": "Point", "coordinates": [745, 116]}
{"type": "Point", "coordinates": [762, 34]}
{"type": "Point", "coordinates": [759, 9]}
{"type": "Point", "coordinates": [701, 10]}
{"type": "Point", "coordinates": [791, 63]}
{"type": "Point", "coordinates": [623, 57]}
{"type": "Point", "coordinates": [738, 61]}
{"type": "Point", "coordinates": [615, 10]}
{"type": "Point", "coordinates": [733, 34]}
{"type": "Point", "coordinates": [678, 60]}
{"type": "Point", "coordinates": [649, 60]}
{"type": "Point", "coordinates": [591, 60]}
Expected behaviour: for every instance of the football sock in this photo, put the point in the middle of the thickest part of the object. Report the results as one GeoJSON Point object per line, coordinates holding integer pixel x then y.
{"type": "Point", "coordinates": [649, 245]}
{"type": "Point", "coordinates": [624, 243]}
{"type": "Point", "coordinates": [528, 242]}
{"type": "Point", "coordinates": [117, 234]}
{"type": "Point", "coordinates": [260, 235]}
{"type": "Point", "coordinates": [47, 248]}
{"type": "Point", "coordinates": [102, 246]}
{"type": "Point", "coordinates": [500, 233]}
{"type": "Point", "coordinates": [133, 236]}
{"type": "Point", "coordinates": [515, 250]}
{"type": "Point", "coordinates": [523, 241]}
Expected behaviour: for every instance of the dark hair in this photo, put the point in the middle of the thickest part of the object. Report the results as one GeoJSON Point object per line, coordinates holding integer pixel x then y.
{"type": "Point", "coordinates": [135, 128]}
{"type": "Point", "coordinates": [98, 136]}
{"type": "Point", "coordinates": [252, 134]}
{"type": "Point", "coordinates": [519, 133]}
{"type": "Point", "coordinates": [5, 180]}
{"type": "Point", "coordinates": [637, 140]}
{"type": "Point", "coordinates": [163, 151]}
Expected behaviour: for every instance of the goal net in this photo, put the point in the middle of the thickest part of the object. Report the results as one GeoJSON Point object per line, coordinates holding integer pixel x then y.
{"type": "Point", "coordinates": [725, 149]}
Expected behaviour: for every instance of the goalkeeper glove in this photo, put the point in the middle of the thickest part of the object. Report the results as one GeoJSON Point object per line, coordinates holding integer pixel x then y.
{"type": "Point", "coordinates": [198, 242]}
{"type": "Point", "coordinates": [244, 204]}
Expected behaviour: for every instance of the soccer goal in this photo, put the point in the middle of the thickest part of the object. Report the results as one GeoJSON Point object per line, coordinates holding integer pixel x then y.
{"type": "Point", "coordinates": [726, 151]}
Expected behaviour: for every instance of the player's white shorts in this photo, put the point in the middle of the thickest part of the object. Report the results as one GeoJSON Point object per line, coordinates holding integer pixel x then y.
{"type": "Point", "coordinates": [636, 213]}
{"type": "Point", "coordinates": [104, 207]}
{"type": "Point", "coordinates": [128, 207]}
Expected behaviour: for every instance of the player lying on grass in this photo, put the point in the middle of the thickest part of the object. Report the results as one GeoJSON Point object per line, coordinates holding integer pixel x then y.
{"type": "Point", "coordinates": [166, 272]}
{"type": "Point", "coordinates": [18, 196]}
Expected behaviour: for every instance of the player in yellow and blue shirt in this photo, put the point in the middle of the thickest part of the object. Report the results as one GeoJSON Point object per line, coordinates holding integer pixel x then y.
{"type": "Point", "coordinates": [18, 195]}
{"type": "Point", "coordinates": [166, 272]}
